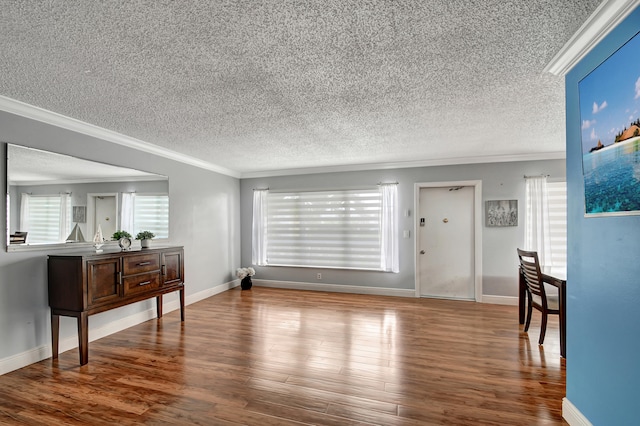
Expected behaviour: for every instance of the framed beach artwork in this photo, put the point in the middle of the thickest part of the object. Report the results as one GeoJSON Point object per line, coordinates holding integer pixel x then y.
{"type": "Point", "coordinates": [610, 133]}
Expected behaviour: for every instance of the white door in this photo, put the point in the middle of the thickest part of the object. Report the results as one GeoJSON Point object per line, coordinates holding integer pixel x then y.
{"type": "Point", "coordinates": [105, 215]}
{"type": "Point", "coordinates": [446, 242]}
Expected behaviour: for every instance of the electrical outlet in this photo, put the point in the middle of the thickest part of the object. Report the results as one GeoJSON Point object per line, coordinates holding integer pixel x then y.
{"type": "Point", "coordinates": [319, 276]}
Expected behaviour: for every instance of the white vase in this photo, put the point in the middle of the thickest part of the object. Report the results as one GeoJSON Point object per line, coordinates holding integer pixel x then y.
{"type": "Point", "coordinates": [145, 243]}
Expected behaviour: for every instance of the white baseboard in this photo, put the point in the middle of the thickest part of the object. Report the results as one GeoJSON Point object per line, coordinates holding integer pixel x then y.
{"type": "Point", "coordinates": [378, 291]}
{"type": "Point", "coordinates": [500, 300]}
{"type": "Point", "coordinates": [39, 353]}
{"type": "Point", "coordinates": [205, 294]}
{"type": "Point", "coordinates": [572, 415]}
{"type": "Point", "coordinates": [336, 288]}
{"type": "Point", "coordinates": [23, 359]}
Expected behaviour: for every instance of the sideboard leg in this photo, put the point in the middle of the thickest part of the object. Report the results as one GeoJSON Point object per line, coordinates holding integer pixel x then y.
{"type": "Point", "coordinates": [55, 334]}
{"type": "Point", "coordinates": [159, 306]}
{"type": "Point", "coordinates": [83, 337]}
{"type": "Point", "coordinates": [182, 304]}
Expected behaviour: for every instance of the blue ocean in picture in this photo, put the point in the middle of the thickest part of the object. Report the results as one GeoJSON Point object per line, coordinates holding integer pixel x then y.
{"type": "Point", "coordinates": [612, 178]}
{"type": "Point", "coordinates": [610, 132]}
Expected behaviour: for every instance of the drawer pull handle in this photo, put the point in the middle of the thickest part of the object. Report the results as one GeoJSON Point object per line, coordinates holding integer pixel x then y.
{"type": "Point", "coordinates": [145, 283]}
{"type": "Point", "coordinates": [143, 263]}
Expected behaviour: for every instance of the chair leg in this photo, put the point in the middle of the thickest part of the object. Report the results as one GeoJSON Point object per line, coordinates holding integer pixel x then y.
{"type": "Point", "coordinates": [543, 328]}
{"type": "Point", "coordinates": [529, 313]}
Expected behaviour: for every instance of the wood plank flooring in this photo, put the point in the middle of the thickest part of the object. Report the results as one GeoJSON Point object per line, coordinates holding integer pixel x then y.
{"type": "Point", "coordinates": [285, 357]}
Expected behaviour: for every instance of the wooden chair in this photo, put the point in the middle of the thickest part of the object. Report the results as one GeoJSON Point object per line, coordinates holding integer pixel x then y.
{"type": "Point", "coordinates": [536, 292]}
{"type": "Point", "coordinates": [18, 238]}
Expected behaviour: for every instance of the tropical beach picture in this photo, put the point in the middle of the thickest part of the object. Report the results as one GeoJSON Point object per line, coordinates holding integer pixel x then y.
{"type": "Point", "coordinates": [610, 122]}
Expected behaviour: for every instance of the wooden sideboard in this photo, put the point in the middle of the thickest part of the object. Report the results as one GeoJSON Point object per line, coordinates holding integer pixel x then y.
{"type": "Point", "coordinates": [84, 284]}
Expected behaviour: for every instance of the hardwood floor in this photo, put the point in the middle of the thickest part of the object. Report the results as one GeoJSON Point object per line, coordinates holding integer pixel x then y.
{"type": "Point", "coordinates": [285, 357]}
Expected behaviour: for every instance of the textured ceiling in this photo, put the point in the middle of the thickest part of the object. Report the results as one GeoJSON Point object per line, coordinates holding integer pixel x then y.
{"type": "Point", "coordinates": [268, 85]}
{"type": "Point", "coordinates": [27, 166]}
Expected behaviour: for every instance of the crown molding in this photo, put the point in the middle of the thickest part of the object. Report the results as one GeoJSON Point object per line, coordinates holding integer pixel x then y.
{"type": "Point", "coordinates": [555, 155]}
{"type": "Point", "coordinates": [87, 180]}
{"type": "Point", "coordinates": [601, 22]}
{"type": "Point", "coordinates": [49, 117]}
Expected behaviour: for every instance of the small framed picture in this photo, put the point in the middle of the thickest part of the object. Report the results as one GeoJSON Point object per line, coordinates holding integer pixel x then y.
{"type": "Point", "coordinates": [502, 213]}
{"type": "Point", "coordinates": [79, 214]}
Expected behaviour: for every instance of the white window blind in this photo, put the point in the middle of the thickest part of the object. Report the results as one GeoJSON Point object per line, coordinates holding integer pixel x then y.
{"type": "Point", "coordinates": [330, 229]}
{"type": "Point", "coordinates": [557, 203]}
{"type": "Point", "coordinates": [44, 217]}
{"type": "Point", "coordinates": [151, 213]}
{"type": "Point", "coordinates": [546, 220]}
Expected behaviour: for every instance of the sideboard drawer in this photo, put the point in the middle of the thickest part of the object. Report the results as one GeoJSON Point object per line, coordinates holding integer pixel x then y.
{"type": "Point", "coordinates": [142, 263]}
{"type": "Point", "coordinates": [141, 283]}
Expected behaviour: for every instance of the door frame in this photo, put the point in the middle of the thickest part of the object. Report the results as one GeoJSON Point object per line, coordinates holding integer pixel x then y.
{"type": "Point", "coordinates": [477, 225]}
{"type": "Point", "coordinates": [91, 212]}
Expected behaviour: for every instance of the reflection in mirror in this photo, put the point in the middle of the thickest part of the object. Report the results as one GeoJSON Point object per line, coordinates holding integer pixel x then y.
{"type": "Point", "coordinates": [57, 200]}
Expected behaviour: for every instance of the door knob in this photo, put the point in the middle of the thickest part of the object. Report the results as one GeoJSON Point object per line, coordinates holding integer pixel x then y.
{"type": "Point", "coordinates": [422, 252]}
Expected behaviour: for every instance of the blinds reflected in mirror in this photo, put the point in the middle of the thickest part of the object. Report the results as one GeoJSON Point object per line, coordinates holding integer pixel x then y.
{"type": "Point", "coordinates": [151, 213]}
{"type": "Point", "coordinates": [46, 218]}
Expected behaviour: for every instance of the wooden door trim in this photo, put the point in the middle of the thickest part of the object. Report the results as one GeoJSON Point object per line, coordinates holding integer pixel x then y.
{"type": "Point", "coordinates": [477, 224]}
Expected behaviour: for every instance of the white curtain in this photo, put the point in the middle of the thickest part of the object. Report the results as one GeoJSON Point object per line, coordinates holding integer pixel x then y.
{"type": "Point", "coordinates": [64, 221]}
{"type": "Point", "coordinates": [126, 213]}
{"type": "Point", "coordinates": [389, 261]}
{"type": "Point", "coordinates": [259, 229]}
{"type": "Point", "coordinates": [537, 235]}
{"type": "Point", "coordinates": [24, 212]}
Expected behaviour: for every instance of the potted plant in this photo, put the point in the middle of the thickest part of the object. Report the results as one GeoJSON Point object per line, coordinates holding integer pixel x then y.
{"type": "Point", "coordinates": [245, 275]}
{"type": "Point", "coordinates": [120, 234]}
{"type": "Point", "coordinates": [145, 238]}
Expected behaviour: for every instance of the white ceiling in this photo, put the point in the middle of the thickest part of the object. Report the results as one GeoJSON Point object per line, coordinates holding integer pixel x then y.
{"type": "Point", "coordinates": [28, 166]}
{"type": "Point", "coordinates": [258, 86]}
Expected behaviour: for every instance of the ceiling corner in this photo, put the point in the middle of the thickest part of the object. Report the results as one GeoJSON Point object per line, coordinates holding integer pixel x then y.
{"type": "Point", "coordinates": [23, 109]}
{"type": "Point", "coordinates": [603, 20]}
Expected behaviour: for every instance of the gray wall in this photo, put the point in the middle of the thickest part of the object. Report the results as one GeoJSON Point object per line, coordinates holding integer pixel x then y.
{"type": "Point", "coordinates": [204, 212]}
{"type": "Point", "coordinates": [500, 181]}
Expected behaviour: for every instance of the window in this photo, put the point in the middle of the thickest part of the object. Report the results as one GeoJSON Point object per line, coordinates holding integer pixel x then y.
{"type": "Point", "coordinates": [354, 229]}
{"type": "Point", "coordinates": [557, 196]}
{"type": "Point", "coordinates": [46, 218]}
{"type": "Point", "coordinates": [546, 220]}
{"type": "Point", "coordinates": [151, 213]}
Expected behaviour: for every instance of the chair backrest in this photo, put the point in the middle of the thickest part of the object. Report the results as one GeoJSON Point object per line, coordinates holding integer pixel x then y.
{"type": "Point", "coordinates": [18, 238]}
{"type": "Point", "coordinates": [530, 269]}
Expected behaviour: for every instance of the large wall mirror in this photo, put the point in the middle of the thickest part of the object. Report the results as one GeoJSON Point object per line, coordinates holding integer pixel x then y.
{"type": "Point", "coordinates": [56, 200]}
